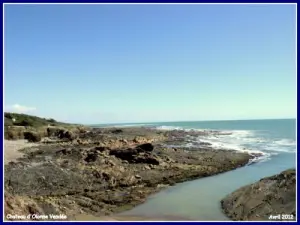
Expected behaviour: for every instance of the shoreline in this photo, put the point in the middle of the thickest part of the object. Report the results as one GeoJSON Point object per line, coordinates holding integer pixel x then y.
{"type": "Point", "coordinates": [145, 173]}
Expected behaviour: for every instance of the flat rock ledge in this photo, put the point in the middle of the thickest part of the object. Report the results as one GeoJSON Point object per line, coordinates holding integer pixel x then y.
{"type": "Point", "coordinates": [105, 171]}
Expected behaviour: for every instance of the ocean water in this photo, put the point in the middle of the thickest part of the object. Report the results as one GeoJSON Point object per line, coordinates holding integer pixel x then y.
{"type": "Point", "coordinates": [200, 199]}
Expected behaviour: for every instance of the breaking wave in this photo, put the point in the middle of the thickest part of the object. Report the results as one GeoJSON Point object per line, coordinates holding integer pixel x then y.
{"type": "Point", "coordinates": [257, 143]}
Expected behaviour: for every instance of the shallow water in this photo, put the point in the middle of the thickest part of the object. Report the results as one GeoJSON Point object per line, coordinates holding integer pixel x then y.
{"type": "Point", "coordinates": [200, 199]}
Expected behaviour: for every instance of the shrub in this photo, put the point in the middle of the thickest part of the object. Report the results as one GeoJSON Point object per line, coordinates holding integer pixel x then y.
{"type": "Point", "coordinates": [51, 120]}
{"type": "Point", "coordinates": [13, 133]}
{"type": "Point", "coordinates": [8, 122]}
{"type": "Point", "coordinates": [25, 123]}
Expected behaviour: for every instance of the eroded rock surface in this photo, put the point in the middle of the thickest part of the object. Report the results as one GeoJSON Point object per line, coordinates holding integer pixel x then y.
{"type": "Point", "coordinates": [271, 196]}
{"type": "Point", "coordinates": [106, 171]}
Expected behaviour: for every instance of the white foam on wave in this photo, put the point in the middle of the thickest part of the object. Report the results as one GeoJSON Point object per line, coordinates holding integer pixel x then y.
{"type": "Point", "coordinates": [280, 148]}
{"type": "Point", "coordinates": [238, 133]}
{"type": "Point", "coordinates": [285, 142]}
{"type": "Point", "coordinates": [131, 125]}
{"type": "Point", "coordinates": [236, 142]}
{"type": "Point", "coordinates": [241, 140]}
{"type": "Point", "coordinates": [169, 128]}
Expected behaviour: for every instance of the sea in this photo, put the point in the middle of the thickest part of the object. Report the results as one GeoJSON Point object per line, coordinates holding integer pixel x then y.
{"type": "Point", "coordinates": [200, 199]}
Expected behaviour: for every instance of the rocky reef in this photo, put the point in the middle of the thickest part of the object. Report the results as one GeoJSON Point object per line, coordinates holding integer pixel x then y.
{"type": "Point", "coordinates": [271, 198]}
{"type": "Point", "coordinates": [102, 171]}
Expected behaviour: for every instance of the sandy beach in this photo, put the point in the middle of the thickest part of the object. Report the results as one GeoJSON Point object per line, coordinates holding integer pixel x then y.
{"type": "Point", "coordinates": [12, 147]}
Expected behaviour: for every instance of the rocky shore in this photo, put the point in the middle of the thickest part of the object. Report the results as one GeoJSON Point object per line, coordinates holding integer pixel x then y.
{"type": "Point", "coordinates": [270, 199]}
{"type": "Point", "coordinates": [102, 171]}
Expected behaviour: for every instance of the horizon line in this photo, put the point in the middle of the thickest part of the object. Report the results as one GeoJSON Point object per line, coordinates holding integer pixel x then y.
{"type": "Point", "coordinates": [180, 121]}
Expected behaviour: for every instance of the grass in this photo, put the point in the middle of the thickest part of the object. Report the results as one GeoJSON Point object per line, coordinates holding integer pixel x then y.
{"type": "Point", "coordinates": [17, 119]}
{"type": "Point", "coordinates": [16, 124]}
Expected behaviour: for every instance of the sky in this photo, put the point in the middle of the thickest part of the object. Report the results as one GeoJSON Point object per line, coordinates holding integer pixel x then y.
{"type": "Point", "coordinates": [144, 63]}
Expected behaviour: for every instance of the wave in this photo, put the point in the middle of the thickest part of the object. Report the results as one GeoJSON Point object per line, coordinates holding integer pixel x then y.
{"type": "Point", "coordinates": [256, 143]}
{"type": "Point", "coordinates": [171, 128]}
{"type": "Point", "coordinates": [130, 125]}
{"type": "Point", "coordinates": [286, 142]}
{"type": "Point", "coordinates": [236, 142]}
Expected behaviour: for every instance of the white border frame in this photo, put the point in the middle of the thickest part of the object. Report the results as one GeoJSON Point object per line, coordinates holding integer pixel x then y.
{"type": "Point", "coordinates": [3, 45]}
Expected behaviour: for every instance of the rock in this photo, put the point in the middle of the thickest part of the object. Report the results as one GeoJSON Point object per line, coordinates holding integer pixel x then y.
{"type": "Point", "coordinates": [47, 140]}
{"type": "Point", "coordinates": [147, 167]}
{"type": "Point", "coordinates": [136, 155]}
{"type": "Point", "coordinates": [18, 206]}
{"type": "Point", "coordinates": [32, 136]}
{"type": "Point", "coordinates": [81, 142]}
{"type": "Point", "coordinates": [91, 157]}
{"type": "Point", "coordinates": [124, 141]}
{"type": "Point", "coordinates": [101, 149]}
{"type": "Point", "coordinates": [139, 139]}
{"type": "Point", "coordinates": [170, 160]}
{"type": "Point", "coordinates": [148, 159]}
{"type": "Point", "coordinates": [60, 133]}
{"type": "Point", "coordinates": [64, 151]}
{"type": "Point", "coordinates": [205, 143]}
{"type": "Point", "coordinates": [69, 135]}
{"type": "Point", "coordinates": [106, 174]}
{"type": "Point", "coordinates": [65, 134]}
{"type": "Point", "coordinates": [275, 195]}
{"type": "Point", "coordinates": [138, 176]}
{"type": "Point", "coordinates": [125, 154]}
{"type": "Point", "coordinates": [110, 162]}
{"type": "Point", "coordinates": [147, 147]}
{"type": "Point", "coordinates": [51, 131]}
{"type": "Point", "coordinates": [117, 131]}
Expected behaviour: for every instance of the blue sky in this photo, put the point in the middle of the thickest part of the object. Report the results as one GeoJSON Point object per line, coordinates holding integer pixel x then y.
{"type": "Point", "coordinates": [143, 63]}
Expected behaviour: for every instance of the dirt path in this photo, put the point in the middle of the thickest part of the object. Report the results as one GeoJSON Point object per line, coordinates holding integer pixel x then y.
{"type": "Point", "coordinates": [11, 149]}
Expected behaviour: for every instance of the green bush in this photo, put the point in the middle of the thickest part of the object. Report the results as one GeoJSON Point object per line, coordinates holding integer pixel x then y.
{"type": "Point", "coordinates": [51, 120]}
{"type": "Point", "coordinates": [28, 120]}
{"type": "Point", "coordinates": [15, 124]}
{"type": "Point", "coordinates": [8, 122]}
{"type": "Point", "coordinates": [25, 123]}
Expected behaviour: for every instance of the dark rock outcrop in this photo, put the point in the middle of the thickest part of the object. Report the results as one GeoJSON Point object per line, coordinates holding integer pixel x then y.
{"type": "Point", "coordinates": [140, 154]}
{"type": "Point", "coordinates": [271, 198]}
{"type": "Point", "coordinates": [60, 133]}
{"type": "Point", "coordinates": [147, 147]}
{"type": "Point", "coordinates": [117, 131]}
{"type": "Point", "coordinates": [101, 173]}
{"type": "Point", "coordinates": [147, 159]}
{"type": "Point", "coordinates": [32, 136]}
{"type": "Point", "coordinates": [125, 154]}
